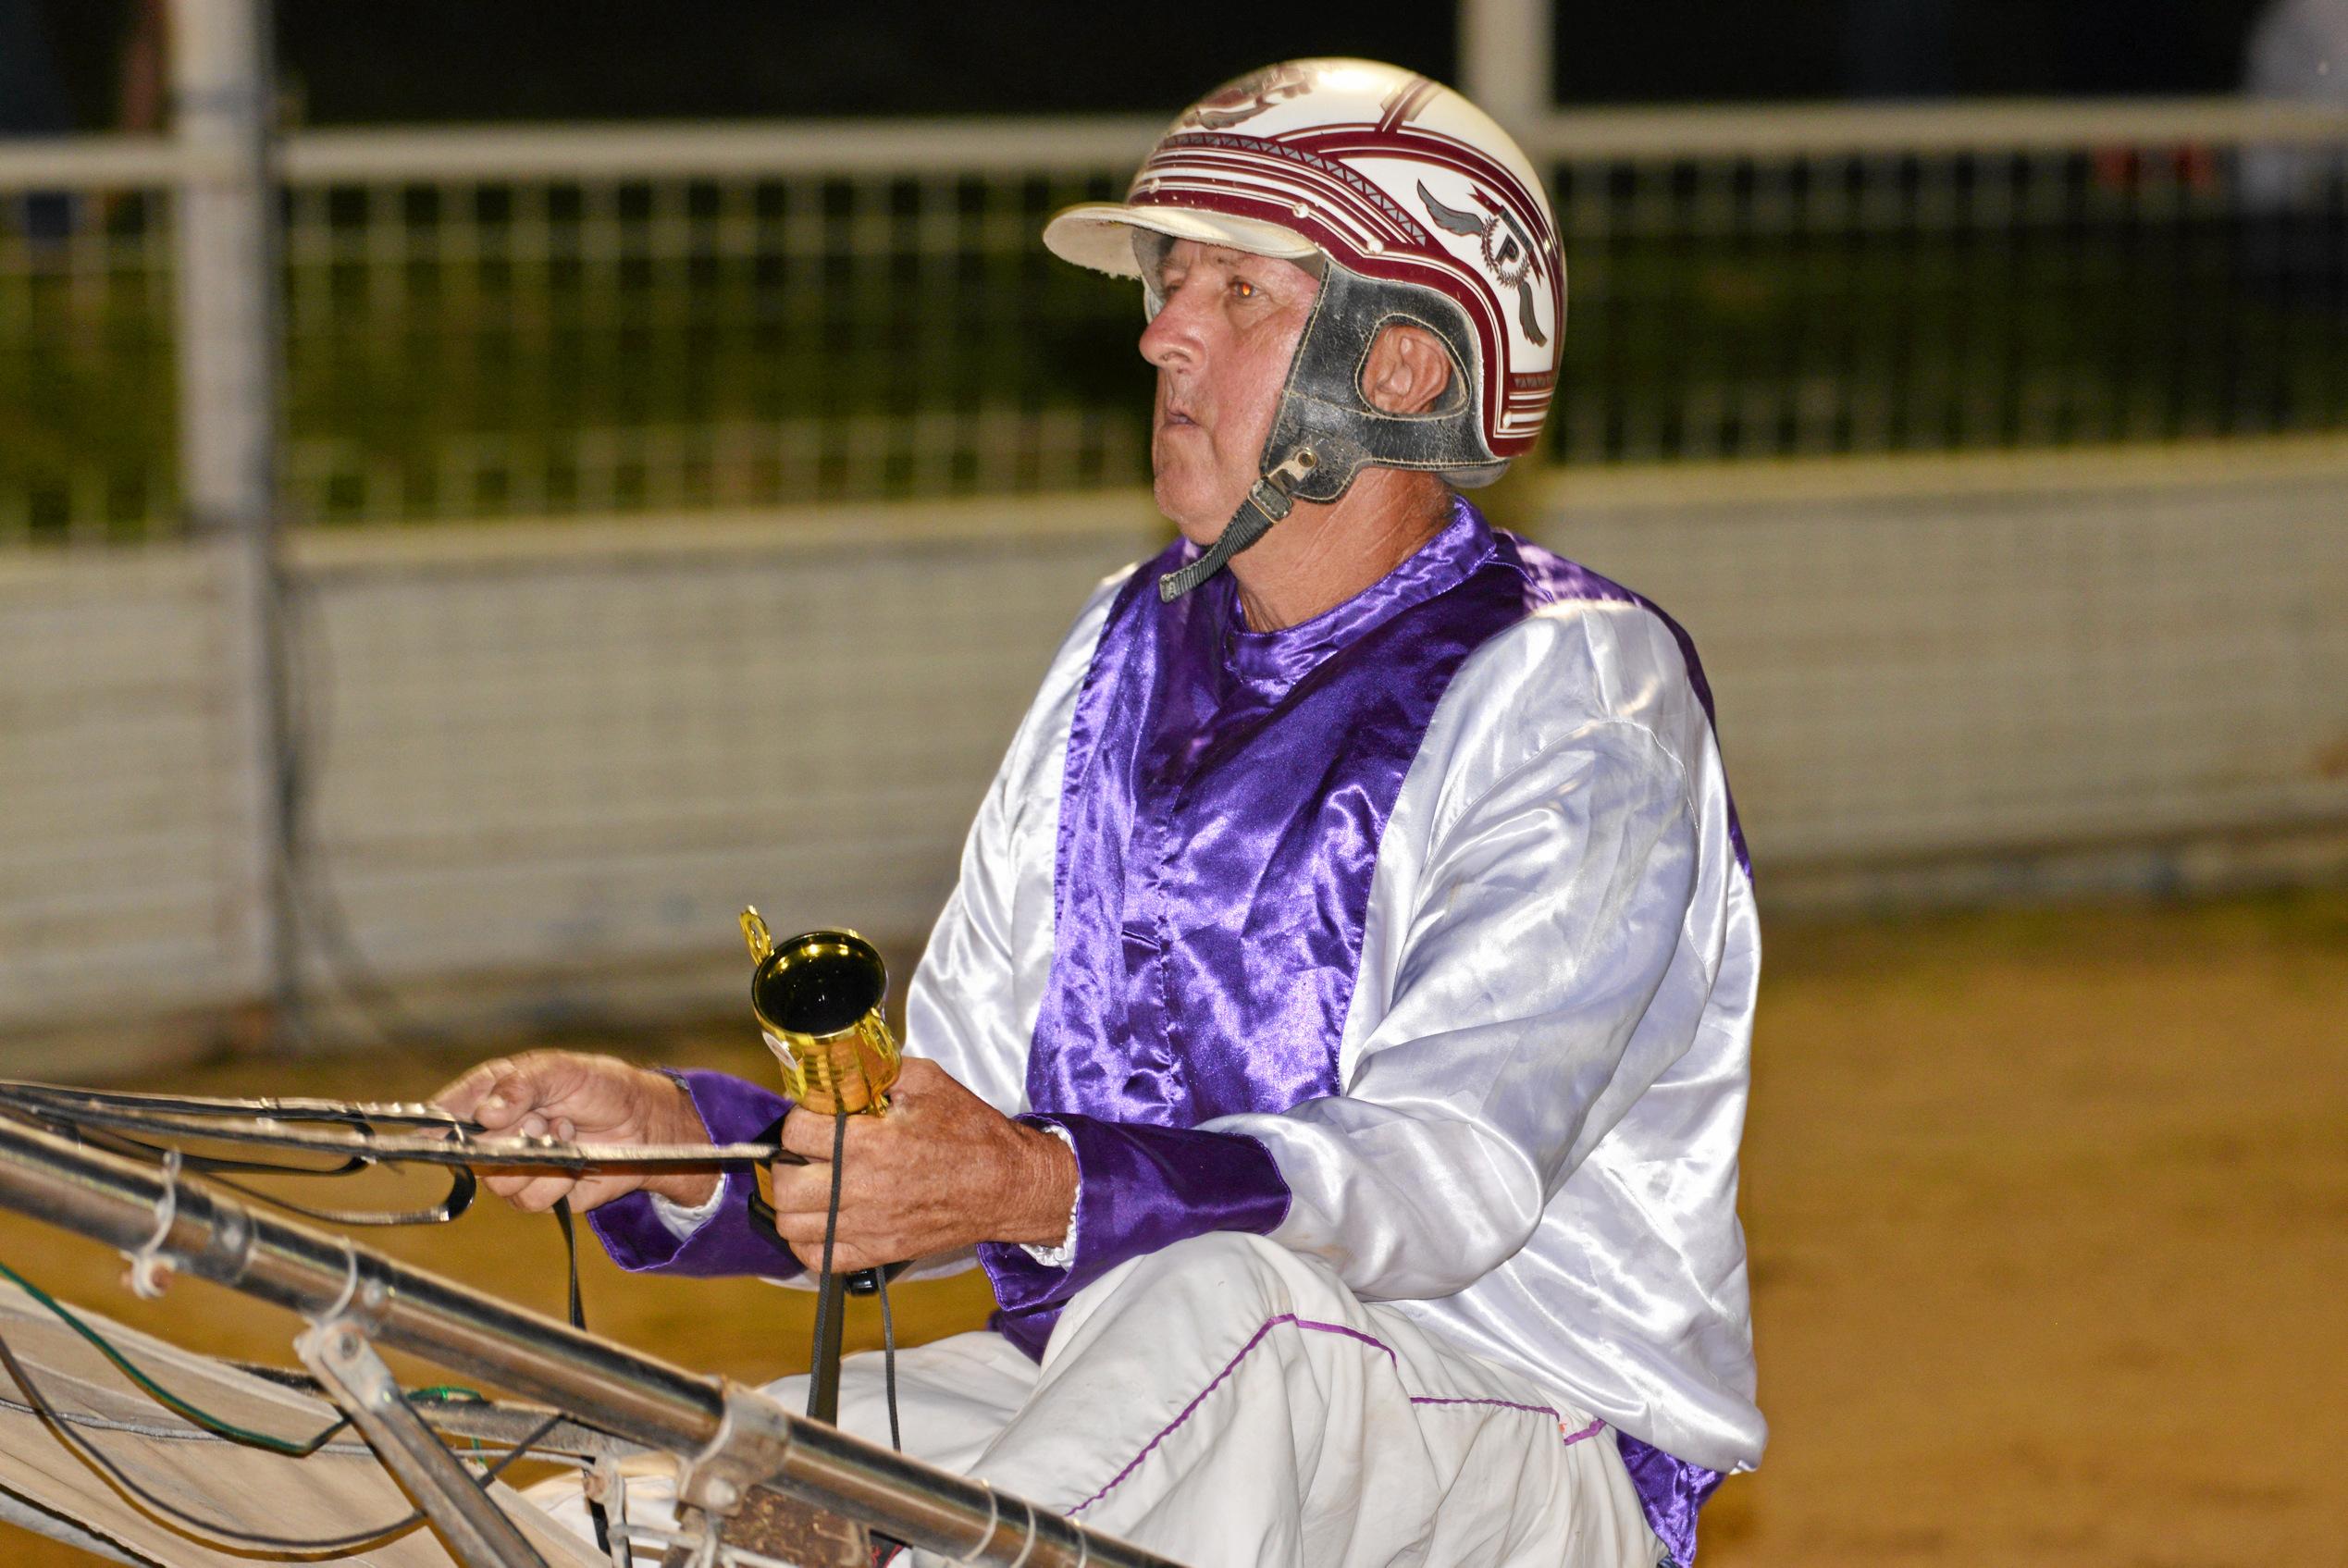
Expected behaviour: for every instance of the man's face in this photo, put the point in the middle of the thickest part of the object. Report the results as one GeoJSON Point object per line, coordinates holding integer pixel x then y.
{"type": "Point", "coordinates": [1222, 343]}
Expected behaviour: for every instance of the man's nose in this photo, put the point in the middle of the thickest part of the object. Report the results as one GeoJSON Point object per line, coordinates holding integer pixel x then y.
{"type": "Point", "coordinates": [1171, 340]}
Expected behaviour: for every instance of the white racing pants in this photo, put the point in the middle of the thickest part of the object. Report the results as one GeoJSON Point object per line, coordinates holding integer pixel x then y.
{"type": "Point", "coordinates": [1228, 1402]}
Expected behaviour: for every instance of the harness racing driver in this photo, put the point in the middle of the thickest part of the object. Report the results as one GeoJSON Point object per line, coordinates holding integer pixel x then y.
{"type": "Point", "coordinates": [1335, 1050]}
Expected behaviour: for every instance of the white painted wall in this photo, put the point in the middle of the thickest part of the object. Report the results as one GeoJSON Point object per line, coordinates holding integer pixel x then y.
{"type": "Point", "coordinates": [566, 754]}
{"type": "Point", "coordinates": [126, 811]}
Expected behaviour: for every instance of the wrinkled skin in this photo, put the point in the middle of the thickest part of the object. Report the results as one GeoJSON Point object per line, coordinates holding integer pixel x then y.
{"type": "Point", "coordinates": [1222, 342]}
{"type": "Point", "coordinates": [941, 1171]}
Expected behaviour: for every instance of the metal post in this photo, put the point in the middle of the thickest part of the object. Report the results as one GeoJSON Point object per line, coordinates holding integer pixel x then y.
{"type": "Point", "coordinates": [1505, 60]}
{"type": "Point", "coordinates": [476, 1530]}
{"type": "Point", "coordinates": [229, 344]}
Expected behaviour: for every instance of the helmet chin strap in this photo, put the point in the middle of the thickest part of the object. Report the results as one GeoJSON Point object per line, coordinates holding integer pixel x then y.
{"type": "Point", "coordinates": [1267, 502]}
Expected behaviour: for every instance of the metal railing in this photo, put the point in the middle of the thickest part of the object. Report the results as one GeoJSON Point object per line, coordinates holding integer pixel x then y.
{"type": "Point", "coordinates": [600, 319]}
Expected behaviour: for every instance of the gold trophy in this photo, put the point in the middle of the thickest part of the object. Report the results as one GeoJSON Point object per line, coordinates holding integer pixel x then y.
{"type": "Point", "coordinates": [818, 998]}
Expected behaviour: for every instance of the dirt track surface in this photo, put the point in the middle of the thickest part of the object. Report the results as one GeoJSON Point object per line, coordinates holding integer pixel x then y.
{"type": "Point", "coordinates": [2049, 1218]}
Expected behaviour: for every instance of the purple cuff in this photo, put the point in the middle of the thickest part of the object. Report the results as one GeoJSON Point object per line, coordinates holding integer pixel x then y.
{"type": "Point", "coordinates": [1670, 1492]}
{"type": "Point", "coordinates": [1142, 1188]}
{"type": "Point", "coordinates": [732, 1111]}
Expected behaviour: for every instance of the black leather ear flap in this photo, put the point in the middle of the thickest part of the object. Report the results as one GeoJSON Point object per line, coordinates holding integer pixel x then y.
{"type": "Point", "coordinates": [1323, 409]}
{"type": "Point", "coordinates": [1326, 431]}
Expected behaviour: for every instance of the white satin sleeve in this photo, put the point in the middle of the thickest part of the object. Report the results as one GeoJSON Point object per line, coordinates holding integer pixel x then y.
{"type": "Point", "coordinates": [974, 997]}
{"type": "Point", "coordinates": [1532, 938]}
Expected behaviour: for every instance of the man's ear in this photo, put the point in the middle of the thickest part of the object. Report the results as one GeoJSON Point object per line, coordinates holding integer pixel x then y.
{"type": "Point", "coordinates": [1407, 370]}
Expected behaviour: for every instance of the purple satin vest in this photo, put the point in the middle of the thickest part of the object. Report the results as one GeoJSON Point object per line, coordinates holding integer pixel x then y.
{"type": "Point", "coordinates": [1223, 797]}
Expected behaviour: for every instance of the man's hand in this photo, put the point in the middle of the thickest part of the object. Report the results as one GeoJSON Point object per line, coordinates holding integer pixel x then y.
{"type": "Point", "coordinates": [942, 1171]}
{"type": "Point", "coordinates": [593, 1100]}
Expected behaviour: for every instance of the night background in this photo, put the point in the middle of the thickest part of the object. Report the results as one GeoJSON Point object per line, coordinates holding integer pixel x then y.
{"type": "Point", "coordinates": [399, 61]}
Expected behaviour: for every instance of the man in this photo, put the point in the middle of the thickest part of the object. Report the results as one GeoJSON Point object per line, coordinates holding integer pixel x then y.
{"type": "Point", "coordinates": [1335, 1049]}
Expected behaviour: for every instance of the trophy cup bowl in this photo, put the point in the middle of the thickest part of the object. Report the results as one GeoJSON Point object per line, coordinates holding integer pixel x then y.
{"type": "Point", "coordinates": [818, 996]}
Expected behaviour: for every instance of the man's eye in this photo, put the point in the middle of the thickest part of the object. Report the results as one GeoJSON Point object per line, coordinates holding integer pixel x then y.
{"type": "Point", "coordinates": [1243, 289]}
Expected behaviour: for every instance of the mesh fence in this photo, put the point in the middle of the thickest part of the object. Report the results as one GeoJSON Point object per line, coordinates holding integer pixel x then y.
{"type": "Point", "coordinates": [495, 348]}
{"type": "Point", "coordinates": [1917, 302]}
{"type": "Point", "coordinates": [608, 327]}
{"type": "Point", "coordinates": [86, 399]}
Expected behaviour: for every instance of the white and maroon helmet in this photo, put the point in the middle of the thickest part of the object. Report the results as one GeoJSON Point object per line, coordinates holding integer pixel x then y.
{"type": "Point", "coordinates": [1416, 207]}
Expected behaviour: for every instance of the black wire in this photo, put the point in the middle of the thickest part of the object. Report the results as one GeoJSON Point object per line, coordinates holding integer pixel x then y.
{"type": "Point", "coordinates": [170, 1510]}
{"type": "Point", "coordinates": [462, 1185]}
{"type": "Point", "coordinates": [291, 1448]}
{"type": "Point", "coordinates": [574, 1304]}
{"type": "Point", "coordinates": [596, 1512]}
{"type": "Point", "coordinates": [823, 1276]}
{"type": "Point", "coordinates": [888, 1359]}
{"type": "Point", "coordinates": [762, 1215]}
{"type": "Point", "coordinates": [570, 1258]}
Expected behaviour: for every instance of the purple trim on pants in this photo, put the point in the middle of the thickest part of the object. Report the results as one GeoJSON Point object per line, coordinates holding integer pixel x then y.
{"type": "Point", "coordinates": [1567, 1439]}
{"type": "Point", "coordinates": [732, 1111]}
{"type": "Point", "coordinates": [1140, 1189]}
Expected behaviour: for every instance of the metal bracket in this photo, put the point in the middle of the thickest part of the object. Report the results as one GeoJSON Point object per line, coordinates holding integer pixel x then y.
{"type": "Point", "coordinates": [340, 1355]}
{"type": "Point", "coordinates": [723, 1483]}
{"type": "Point", "coordinates": [753, 1439]}
{"type": "Point", "coordinates": [606, 1486]}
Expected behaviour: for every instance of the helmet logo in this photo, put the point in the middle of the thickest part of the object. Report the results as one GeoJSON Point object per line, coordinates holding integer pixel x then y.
{"type": "Point", "coordinates": [1249, 97]}
{"type": "Point", "coordinates": [1510, 255]}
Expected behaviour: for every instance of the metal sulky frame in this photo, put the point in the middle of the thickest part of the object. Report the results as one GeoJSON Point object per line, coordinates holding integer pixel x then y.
{"type": "Point", "coordinates": [752, 1475]}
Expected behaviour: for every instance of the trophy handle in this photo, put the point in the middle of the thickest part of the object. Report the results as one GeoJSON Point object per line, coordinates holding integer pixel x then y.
{"type": "Point", "coordinates": [754, 932]}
